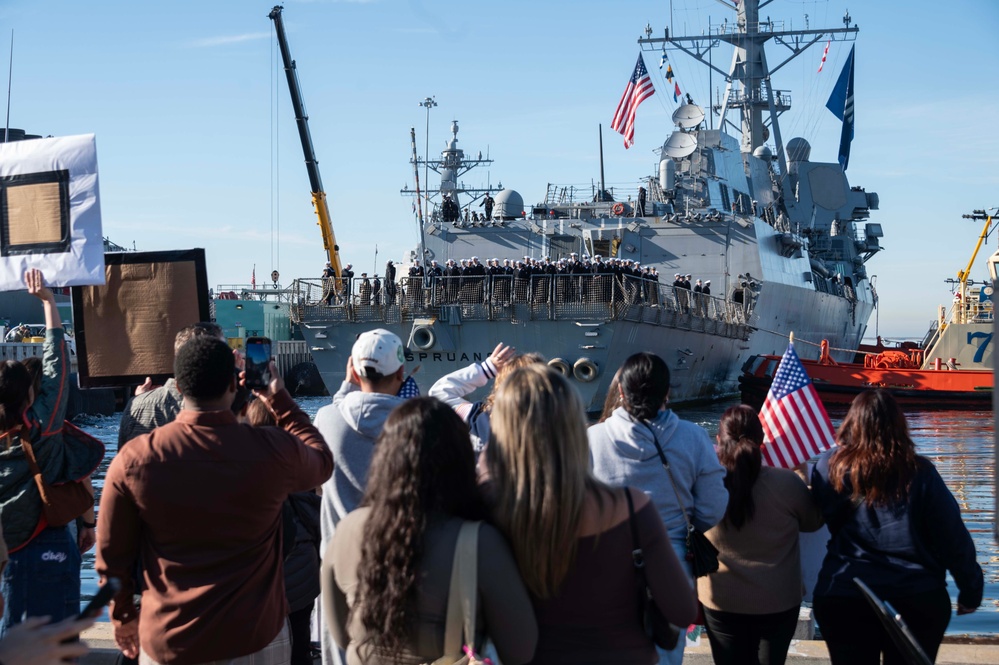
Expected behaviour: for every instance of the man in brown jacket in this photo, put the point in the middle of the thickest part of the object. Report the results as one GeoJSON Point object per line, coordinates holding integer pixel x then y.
{"type": "Point", "coordinates": [199, 501]}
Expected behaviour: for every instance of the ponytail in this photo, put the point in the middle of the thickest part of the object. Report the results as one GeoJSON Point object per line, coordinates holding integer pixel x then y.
{"type": "Point", "coordinates": [740, 435]}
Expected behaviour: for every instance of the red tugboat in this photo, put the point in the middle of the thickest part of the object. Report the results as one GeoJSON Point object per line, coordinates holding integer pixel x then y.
{"type": "Point", "coordinates": [951, 368]}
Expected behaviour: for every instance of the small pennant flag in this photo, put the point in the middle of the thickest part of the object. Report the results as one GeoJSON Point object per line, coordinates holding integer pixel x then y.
{"type": "Point", "coordinates": [796, 427]}
{"type": "Point", "coordinates": [253, 278]}
{"type": "Point", "coordinates": [676, 91]}
{"type": "Point", "coordinates": [663, 60]}
{"type": "Point", "coordinates": [825, 54]}
{"type": "Point", "coordinates": [669, 72]}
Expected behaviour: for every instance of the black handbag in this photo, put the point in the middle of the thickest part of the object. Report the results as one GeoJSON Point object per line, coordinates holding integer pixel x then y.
{"type": "Point", "coordinates": [702, 555]}
{"type": "Point", "coordinates": [664, 634]}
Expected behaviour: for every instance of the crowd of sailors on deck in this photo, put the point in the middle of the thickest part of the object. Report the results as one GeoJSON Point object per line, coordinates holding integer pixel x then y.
{"type": "Point", "coordinates": [573, 279]}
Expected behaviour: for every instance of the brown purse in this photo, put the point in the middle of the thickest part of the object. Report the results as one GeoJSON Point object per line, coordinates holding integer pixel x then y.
{"type": "Point", "coordinates": [63, 502]}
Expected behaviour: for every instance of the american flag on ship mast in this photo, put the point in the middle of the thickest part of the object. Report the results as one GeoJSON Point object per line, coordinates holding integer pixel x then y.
{"type": "Point", "coordinates": [639, 89]}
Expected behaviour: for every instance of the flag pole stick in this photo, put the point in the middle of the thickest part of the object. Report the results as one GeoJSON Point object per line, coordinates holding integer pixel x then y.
{"type": "Point", "coordinates": [790, 338]}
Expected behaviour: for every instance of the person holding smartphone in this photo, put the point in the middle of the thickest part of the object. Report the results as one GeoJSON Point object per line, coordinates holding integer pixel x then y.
{"type": "Point", "coordinates": [210, 491]}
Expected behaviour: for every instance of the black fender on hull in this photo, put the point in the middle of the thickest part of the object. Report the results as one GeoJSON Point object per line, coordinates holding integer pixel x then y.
{"type": "Point", "coordinates": [304, 380]}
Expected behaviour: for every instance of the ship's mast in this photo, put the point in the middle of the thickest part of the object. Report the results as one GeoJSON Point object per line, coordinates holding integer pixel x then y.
{"type": "Point", "coordinates": [451, 166]}
{"type": "Point", "coordinates": [748, 86]}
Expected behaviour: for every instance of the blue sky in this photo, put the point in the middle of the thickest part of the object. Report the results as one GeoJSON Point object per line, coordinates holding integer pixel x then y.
{"type": "Point", "coordinates": [185, 97]}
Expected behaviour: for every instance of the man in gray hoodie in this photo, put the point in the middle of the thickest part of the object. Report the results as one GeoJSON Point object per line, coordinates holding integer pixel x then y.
{"type": "Point", "coordinates": [350, 426]}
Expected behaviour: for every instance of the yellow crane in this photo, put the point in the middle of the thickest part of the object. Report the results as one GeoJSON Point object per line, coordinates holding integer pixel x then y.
{"type": "Point", "coordinates": [319, 202]}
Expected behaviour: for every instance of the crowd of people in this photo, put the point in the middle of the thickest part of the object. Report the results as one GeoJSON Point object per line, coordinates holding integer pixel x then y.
{"type": "Point", "coordinates": [226, 511]}
{"type": "Point", "coordinates": [573, 279]}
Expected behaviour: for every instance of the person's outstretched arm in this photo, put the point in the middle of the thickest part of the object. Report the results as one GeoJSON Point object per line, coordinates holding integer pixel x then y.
{"type": "Point", "coordinates": [35, 641]}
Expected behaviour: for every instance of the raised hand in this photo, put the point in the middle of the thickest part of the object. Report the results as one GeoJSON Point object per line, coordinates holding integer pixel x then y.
{"type": "Point", "coordinates": [35, 282]}
{"type": "Point", "coordinates": [502, 354]}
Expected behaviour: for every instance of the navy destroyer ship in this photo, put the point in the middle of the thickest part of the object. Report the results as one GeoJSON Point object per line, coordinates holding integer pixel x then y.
{"type": "Point", "coordinates": [781, 240]}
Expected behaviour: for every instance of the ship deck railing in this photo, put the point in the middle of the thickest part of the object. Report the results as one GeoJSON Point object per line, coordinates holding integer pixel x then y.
{"type": "Point", "coordinates": [455, 300]}
{"type": "Point", "coordinates": [269, 293]}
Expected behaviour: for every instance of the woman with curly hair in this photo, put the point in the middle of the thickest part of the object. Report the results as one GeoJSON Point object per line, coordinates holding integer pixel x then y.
{"type": "Point", "coordinates": [896, 527]}
{"type": "Point", "coordinates": [573, 536]}
{"type": "Point", "coordinates": [751, 603]}
{"type": "Point", "coordinates": [387, 571]}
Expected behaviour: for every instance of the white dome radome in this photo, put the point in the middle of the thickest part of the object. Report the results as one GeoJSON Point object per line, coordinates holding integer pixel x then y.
{"type": "Point", "coordinates": [508, 205]}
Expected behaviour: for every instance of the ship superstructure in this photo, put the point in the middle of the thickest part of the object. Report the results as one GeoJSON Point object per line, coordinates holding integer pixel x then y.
{"type": "Point", "coordinates": [780, 241]}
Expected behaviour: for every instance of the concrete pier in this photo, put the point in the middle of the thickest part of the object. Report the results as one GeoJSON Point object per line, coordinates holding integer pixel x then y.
{"type": "Point", "coordinates": [803, 652]}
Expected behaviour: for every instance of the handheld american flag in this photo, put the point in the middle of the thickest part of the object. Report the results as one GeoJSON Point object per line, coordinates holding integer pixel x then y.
{"type": "Point", "coordinates": [796, 427]}
{"type": "Point", "coordinates": [639, 89]}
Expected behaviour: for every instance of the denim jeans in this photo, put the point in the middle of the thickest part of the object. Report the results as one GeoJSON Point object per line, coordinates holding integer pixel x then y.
{"type": "Point", "coordinates": [675, 655]}
{"type": "Point", "coordinates": [43, 578]}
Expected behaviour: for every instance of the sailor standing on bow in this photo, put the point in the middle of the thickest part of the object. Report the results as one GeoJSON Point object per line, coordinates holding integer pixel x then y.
{"type": "Point", "coordinates": [487, 202]}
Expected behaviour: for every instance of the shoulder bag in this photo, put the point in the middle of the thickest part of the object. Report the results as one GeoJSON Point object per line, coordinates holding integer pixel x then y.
{"type": "Point", "coordinates": [664, 634]}
{"type": "Point", "coordinates": [702, 555]}
{"type": "Point", "coordinates": [462, 599]}
{"type": "Point", "coordinates": [63, 502]}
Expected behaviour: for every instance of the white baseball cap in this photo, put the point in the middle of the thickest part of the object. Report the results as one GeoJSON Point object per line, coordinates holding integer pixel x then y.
{"type": "Point", "coordinates": [379, 350]}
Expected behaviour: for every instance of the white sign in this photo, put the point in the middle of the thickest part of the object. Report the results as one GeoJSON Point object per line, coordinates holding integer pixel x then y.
{"type": "Point", "coordinates": [50, 212]}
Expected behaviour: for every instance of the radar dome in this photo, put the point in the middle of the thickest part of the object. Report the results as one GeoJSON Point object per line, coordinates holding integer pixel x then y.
{"type": "Point", "coordinates": [798, 150]}
{"type": "Point", "coordinates": [764, 153]}
{"type": "Point", "coordinates": [508, 204]}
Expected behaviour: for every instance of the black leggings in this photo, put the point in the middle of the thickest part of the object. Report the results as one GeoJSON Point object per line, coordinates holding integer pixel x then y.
{"type": "Point", "coordinates": [854, 635]}
{"type": "Point", "coordinates": [301, 639]}
{"type": "Point", "coordinates": [748, 639]}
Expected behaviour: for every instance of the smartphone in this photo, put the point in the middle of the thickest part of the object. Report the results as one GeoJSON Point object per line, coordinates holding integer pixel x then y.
{"type": "Point", "coordinates": [258, 361]}
{"type": "Point", "coordinates": [102, 598]}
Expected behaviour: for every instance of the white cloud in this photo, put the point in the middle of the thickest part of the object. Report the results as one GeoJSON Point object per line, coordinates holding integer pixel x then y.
{"type": "Point", "coordinates": [330, 2]}
{"type": "Point", "coordinates": [225, 40]}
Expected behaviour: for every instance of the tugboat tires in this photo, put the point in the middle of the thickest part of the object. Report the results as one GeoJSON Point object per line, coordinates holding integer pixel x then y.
{"type": "Point", "coordinates": [424, 338]}
{"type": "Point", "coordinates": [585, 370]}
{"type": "Point", "coordinates": [560, 366]}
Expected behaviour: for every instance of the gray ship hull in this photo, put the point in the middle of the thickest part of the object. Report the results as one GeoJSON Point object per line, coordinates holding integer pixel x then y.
{"type": "Point", "coordinates": [705, 346]}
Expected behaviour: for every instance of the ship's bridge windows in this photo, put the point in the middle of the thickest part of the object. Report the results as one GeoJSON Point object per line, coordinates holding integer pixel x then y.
{"type": "Point", "coordinates": [743, 204]}
{"type": "Point", "coordinates": [709, 162]}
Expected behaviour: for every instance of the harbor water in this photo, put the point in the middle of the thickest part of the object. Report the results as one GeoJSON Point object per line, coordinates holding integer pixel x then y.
{"type": "Point", "coordinates": [959, 443]}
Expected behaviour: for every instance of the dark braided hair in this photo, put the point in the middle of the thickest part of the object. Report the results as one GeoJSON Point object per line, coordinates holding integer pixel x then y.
{"type": "Point", "coordinates": [423, 464]}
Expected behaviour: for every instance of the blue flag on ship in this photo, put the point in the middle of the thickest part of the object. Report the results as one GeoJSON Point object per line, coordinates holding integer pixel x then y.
{"type": "Point", "coordinates": [841, 104]}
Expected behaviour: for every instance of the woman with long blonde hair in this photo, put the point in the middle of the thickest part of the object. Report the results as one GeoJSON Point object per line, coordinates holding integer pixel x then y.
{"type": "Point", "coordinates": [572, 535]}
